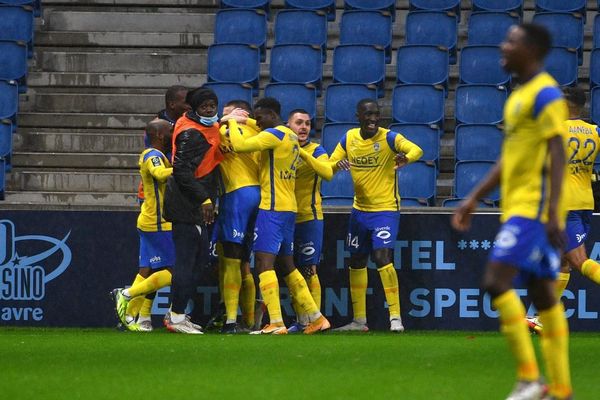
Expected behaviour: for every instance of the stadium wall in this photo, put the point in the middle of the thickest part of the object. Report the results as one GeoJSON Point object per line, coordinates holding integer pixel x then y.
{"type": "Point", "coordinates": [57, 267]}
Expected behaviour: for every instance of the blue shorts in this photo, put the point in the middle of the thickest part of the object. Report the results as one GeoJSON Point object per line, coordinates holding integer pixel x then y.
{"type": "Point", "coordinates": [523, 243]}
{"type": "Point", "coordinates": [274, 232]}
{"type": "Point", "coordinates": [308, 242]}
{"type": "Point", "coordinates": [368, 231]}
{"type": "Point", "coordinates": [578, 227]}
{"type": "Point", "coordinates": [156, 249]}
{"type": "Point", "coordinates": [213, 256]}
{"type": "Point", "coordinates": [237, 214]}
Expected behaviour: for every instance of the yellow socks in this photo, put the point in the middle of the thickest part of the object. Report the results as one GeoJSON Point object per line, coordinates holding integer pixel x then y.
{"type": "Point", "coordinates": [146, 310]}
{"type": "Point", "coordinates": [358, 293]}
{"type": "Point", "coordinates": [232, 282]}
{"type": "Point", "coordinates": [151, 284]}
{"type": "Point", "coordinates": [389, 280]}
{"type": "Point", "coordinates": [591, 269]}
{"type": "Point", "coordinates": [247, 299]}
{"type": "Point", "coordinates": [514, 328]}
{"type": "Point", "coordinates": [269, 288]}
{"type": "Point", "coordinates": [314, 285]}
{"type": "Point", "coordinates": [133, 308]}
{"type": "Point", "coordinates": [562, 280]}
{"type": "Point", "coordinates": [555, 348]}
{"type": "Point", "coordinates": [299, 291]}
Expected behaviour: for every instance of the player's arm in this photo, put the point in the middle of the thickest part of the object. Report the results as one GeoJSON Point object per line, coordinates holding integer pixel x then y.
{"type": "Point", "coordinates": [320, 165]}
{"type": "Point", "coordinates": [158, 169]}
{"type": "Point", "coordinates": [263, 141]}
{"type": "Point", "coordinates": [408, 152]}
{"type": "Point", "coordinates": [339, 157]}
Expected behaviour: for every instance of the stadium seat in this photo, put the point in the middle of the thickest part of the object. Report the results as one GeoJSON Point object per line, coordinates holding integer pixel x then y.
{"type": "Point", "coordinates": [418, 180]}
{"type": "Point", "coordinates": [595, 105]}
{"type": "Point", "coordinates": [332, 133]}
{"type": "Point", "coordinates": [561, 63]}
{"type": "Point", "coordinates": [436, 5]}
{"type": "Point", "coordinates": [412, 202]}
{"type": "Point", "coordinates": [261, 4]}
{"type": "Point", "coordinates": [597, 31]}
{"type": "Point", "coordinates": [595, 68]}
{"type": "Point", "coordinates": [339, 191]}
{"type": "Point", "coordinates": [505, 6]}
{"type": "Point", "coordinates": [359, 64]}
{"type": "Point", "coordinates": [13, 62]}
{"type": "Point", "coordinates": [224, 63]}
{"type": "Point", "coordinates": [433, 28]}
{"type": "Point", "coordinates": [572, 6]}
{"type": "Point", "coordinates": [369, 28]}
{"type": "Point", "coordinates": [341, 101]}
{"type": "Point", "coordinates": [388, 6]}
{"type": "Point", "coordinates": [418, 104]}
{"type": "Point", "coordinates": [422, 65]}
{"type": "Point", "coordinates": [247, 26]}
{"type": "Point", "coordinates": [454, 202]}
{"type": "Point", "coordinates": [477, 142]}
{"type": "Point", "coordinates": [2, 177]}
{"type": "Point", "coordinates": [489, 28]}
{"type": "Point", "coordinates": [35, 4]}
{"type": "Point", "coordinates": [481, 64]}
{"type": "Point", "coordinates": [566, 30]}
{"type": "Point", "coordinates": [479, 104]}
{"type": "Point", "coordinates": [230, 91]}
{"type": "Point", "coordinates": [468, 174]}
{"type": "Point", "coordinates": [427, 137]}
{"type": "Point", "coordinates": [9, 99]}
{"type": "Point", "coordinates": [6, 135]}
{"type": "Point", "coordinates": [327, 6]}
{"type": "Point", "coordinates": [16, 23]}
{"type": "Point", "coordinates": [292, 96]}
{"type": "Point", "coordinates": [302, 27]}
{"type": "Point", "coordinates": [297, 64]}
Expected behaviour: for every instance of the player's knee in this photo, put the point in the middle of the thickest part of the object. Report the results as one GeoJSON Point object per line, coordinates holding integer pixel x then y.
{"type": "Point", "coordinates": [233, 250]}
{"type": "Point", "coordinates": [382, 257]}
{"type": "Point", "coordinates": [358, 260]}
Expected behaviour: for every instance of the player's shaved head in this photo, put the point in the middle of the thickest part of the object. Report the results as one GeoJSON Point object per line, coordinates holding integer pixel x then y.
{"type": "Point", "coordinates": [538, 38]}
{"type": "Point", "coordinates": [363, 103]}
{"type": "Point", "coordinates": [268, 103]}
{"type": "Point", "coordinates": [157, 126]}
{"type": "Point", "coordinates": [243, 104]}
{"type": "Point", "coordinates": [575, 95]}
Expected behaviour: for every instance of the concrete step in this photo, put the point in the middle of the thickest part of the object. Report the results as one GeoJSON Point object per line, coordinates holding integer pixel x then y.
{"type": "Point", "coordinates": [110, 200]}
{"type": "Point", "coordinates": [124, 39]}
{"type": "Point", "coordinates": [94, 103]}
{"type": "Point", "coordinates": [121, 60]}
{"type": "Point", "coordinates": [74, 160]}
{"type": "Point", "coordinates": [40, 140]}
{"type": "Point", "coordinates": [84, 120]}
{"type": "Point", "coordinates": [112, 79]}
{"type": "Point", "coordinates": [66, 180]}
{"type": "Point", "coordinates": [124, 21]}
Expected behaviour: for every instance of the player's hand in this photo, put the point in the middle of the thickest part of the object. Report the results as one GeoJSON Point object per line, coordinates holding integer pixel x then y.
{"type": "Point", "coordinates": [343, 165]}
{"type": "Point", "coordinates": [461, 219]}
{"type": "Point", "coordinates": [400, 160]}
{"type": "Point", "coordinates": [556, 235]}
{"type": "Point", "coordinates": [240, 115]}
{"type": "Point", "coordinates": [208, 212]}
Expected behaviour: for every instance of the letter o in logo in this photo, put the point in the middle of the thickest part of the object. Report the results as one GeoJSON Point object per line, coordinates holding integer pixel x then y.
{"type": "Point", "coordinates": [383, 235]}
{"type": "Point", "coordinates": [308, 251]}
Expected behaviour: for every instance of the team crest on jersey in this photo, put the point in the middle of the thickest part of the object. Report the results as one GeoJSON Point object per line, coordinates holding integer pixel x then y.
{"type": "Point", "coordinates": [376, 146]}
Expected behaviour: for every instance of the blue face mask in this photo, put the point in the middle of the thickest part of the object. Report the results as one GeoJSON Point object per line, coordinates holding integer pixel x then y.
{"type": "Point", "coordinates": [208, 121]}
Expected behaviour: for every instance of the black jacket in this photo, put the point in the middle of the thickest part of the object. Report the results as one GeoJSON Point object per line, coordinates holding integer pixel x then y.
{"type": "Point", "coordinates": [185, 193]}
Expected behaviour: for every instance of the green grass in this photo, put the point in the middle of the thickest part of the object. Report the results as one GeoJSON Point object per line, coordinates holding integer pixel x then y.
{"type": "Point", "coordinates": [106, 364]}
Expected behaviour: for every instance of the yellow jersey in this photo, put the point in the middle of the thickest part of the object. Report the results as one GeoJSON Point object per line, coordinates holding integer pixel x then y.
{"type": "Point", "coordinates": [155, 169]}
{"type": "Point", "coordinates": [582, 142]}
{"type": "Point", "coordinates": [372, 164]}
{"type": "Point", "coordinates": [238, 170]}
{"type": "Point", "coordinates": [534, 113]}
{"type": "Point", "coordinates": [308, 185]}
{"type": "Point", "coordinates": [279, 157]}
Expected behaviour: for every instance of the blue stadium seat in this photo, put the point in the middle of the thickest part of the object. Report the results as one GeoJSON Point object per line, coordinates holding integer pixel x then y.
{"type": "Point", "coordinates": [2, 177]}
{"type": "Point", "coordinates": [574, 6]}
{"type": "Point", "coordinates": [247, 26]}
{"type": "Point", "coordinates": [597, 31]}
{"type": "Point", "coordinates": [481, 64]}
{"type": "Point", "coordinates": [332, 133]}
{"type": "Point", "coordinates": [224, 63]}
{"type": "Point", "coordinates": [297, 64]}
{"type": "Point", "coordinates": [367, 27]}
{"type": "Point", "coordinates": [427, 137]}
{"type": "Point", "coordinates": [302, 27]}
{"type": "Point", "coordinates": [561, 63]}
{"type": "Point", "coordinates": [16, 23]}
{"type": "Point", "coordinates": [388, 6]}
{"type": "Point", "coordinates": [327, 6]}
{"type": "Point", "coordinates": [595, 68]}
{"type": "Point", "coordinates": [412, 202]}
{"type": "Point", "coordinates": [9, 99]}
{"type": "Point", "coordinates": [489, 28]}
{"type": "Point", "coordinates": [477, 142]}
{"type": "Point", "coordinates": [422, 65]}
{"type": "Point", "coordinates": [260, 4]}
{"type": "Point", "coordinates": [341, 101]}
{"type": "Point", "coordinates": [479, 104]}
{"type": "Point", "coordinates": [566, 30]}
{"type": "Point", "coordinates": [418, 180]}
{"type": "Point", "coordinates": [468, 174]}
{"type": "Point", "coordinates": [230, 91]}
{"type": "Point", "coordinates": [6, 136]}
{"type": "Point", "coordinates": [436, 5]}
{"type": "Point", "coordinates": [292, 96]}
{"type": "Point", "coordinates": [454, 202]}
{"type": "Point", "coordinates": [359, 64]}
{"type": "Point", "coordinates": [506, 6]}
{"type": "Point", "coordinates": [13, 62]}
{"type": "Point", "coordinates": [433, 28]}
{"type": "Point", "coordinates": [36, 5]}
{"type": "Point", "coordinates": [418, 104]}
{"type": "Point", "coordinates": [595, 105]}
{"type": "Point", "coordinates": [339, 191]}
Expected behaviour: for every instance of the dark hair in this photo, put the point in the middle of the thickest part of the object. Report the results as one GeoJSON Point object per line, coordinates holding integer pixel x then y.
{"type": "Point", "coordinates": [243, 104]}
{"type": "Point", "coordinates": [268, 103]}
{"type": "Point", "coordinates": [298, 111]}
{"type": "Point", "coordinates": [172, 92]}
{"type": "Point", "coordinates": [539, 38]}
{"type": "Point", "coordinates": [574, 95]}
{"type": "Point", "coordinates": [195, 97]}
{"type": "Point", "coordinates": [364, 102]}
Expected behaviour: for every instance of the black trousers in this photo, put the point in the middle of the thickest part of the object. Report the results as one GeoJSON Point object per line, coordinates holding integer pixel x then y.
{"type": "Point", "coordinates": [191, 256]}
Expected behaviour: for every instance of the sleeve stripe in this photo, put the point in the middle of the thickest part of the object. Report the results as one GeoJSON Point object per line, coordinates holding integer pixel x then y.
{"type": "Point", "coordinates": [544, 97]}
{"type": "Point", "coordinates": [152, 153]}
{"type": "Point", "coordinates": [391, 140]}
{"type": "Point", "coordinates": [343, 141]}
{"type": "Point", "coordinates": [275, 132]}
{"type": "Point", "coordinates": [318, 152]}
{"type": "Point", "coordinates": [598, 130]}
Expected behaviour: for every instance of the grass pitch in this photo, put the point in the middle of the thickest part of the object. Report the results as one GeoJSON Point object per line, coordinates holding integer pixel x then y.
{"type": "Point", "coordinates": [106, 364]}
